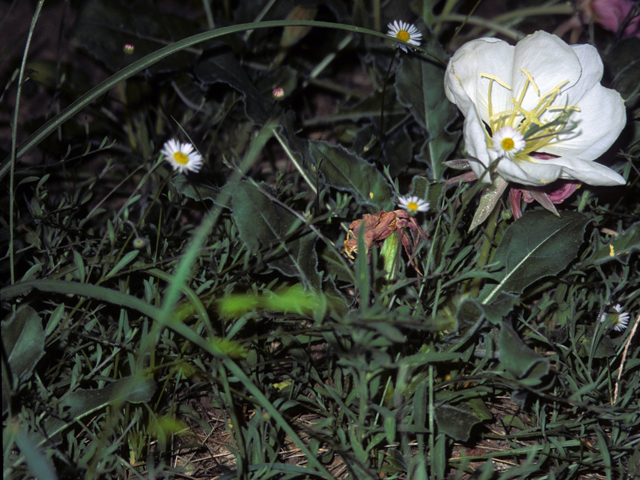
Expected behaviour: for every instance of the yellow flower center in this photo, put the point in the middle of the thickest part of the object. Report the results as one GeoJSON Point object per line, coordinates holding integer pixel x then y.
{"type": "Point", "coordinates": [536, 130]}
{"type": "Point", "coordinates": [181, 158]}
{"type": "Point", "coordinates": [403, 35]}
{"type": "Point", "coordinates": [412, 206]}
{"type": "Point", "coordinates": [507, 144]}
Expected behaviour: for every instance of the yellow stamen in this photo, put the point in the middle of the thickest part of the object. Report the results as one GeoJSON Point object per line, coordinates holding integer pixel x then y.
{"type": "Point", "coordinates": [537, 131]}
{"type": "Point", "coordinates": [507, 144]}
{"type": "Point", "coordinates": [495, 79]}
{"type": "Point", "coordinates": [181, 158]}
{"type": "Point", "coordinates": [412, 206]}
{"type": "Point", "coordinates": [403, 35]}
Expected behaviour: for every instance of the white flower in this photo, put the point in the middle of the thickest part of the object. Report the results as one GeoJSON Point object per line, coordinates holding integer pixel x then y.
{"type": "Point", "coordinates": [413, 204]}
{"type": "Point", "coordinates": [543, 95]}
{"type": "Point", "coordinates": [618, 321]}
{"type": "Point", "coordinates": [182, 156]}
{"type": "Point", "coordinates": [406, 32]}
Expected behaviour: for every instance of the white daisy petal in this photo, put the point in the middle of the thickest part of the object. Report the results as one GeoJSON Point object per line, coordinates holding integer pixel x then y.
{"type": "Point", "coordinates": [182, 156]}
{"type": "Point", "coordinates": [405, 32]}
{"type": "Point", "coordinates": [413, 204]}
{"type": "Point", "coordinates": [616, 321]}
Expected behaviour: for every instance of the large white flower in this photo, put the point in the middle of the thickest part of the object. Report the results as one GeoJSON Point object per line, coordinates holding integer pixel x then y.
{"type": "Point", "coordinates": [537, 110]}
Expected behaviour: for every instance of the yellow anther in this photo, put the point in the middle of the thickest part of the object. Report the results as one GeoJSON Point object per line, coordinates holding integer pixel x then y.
{"type": "Point", "coordinates": [495, 79]}
{"type": "Point", "coordinates": [612, 252]}
{"type": "Point", "coordinates": [530, 77]}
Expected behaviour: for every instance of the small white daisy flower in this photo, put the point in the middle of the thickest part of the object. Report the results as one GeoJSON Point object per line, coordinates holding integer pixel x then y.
{"type": "Point", "coordinates": [405, 32]}
{"type": "Point", "coordinates": [508, 142]}
{"type": "Point", "coordinates": [618, 321]}
{"type": "Point", "coordinates": [413, 204]}
{"type": "Point", "coordinates": [182, 156]}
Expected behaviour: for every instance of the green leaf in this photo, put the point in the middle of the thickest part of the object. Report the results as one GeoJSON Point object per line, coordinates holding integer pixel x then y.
{"type": "Point", "coordinates": [398, 152]}
{"type": "Point", "coordinates": [491, 195]}
{"type": "Point", "coordinates": [420, 87]}
{"type": "Point", "coordinates": [82, 402]}
{"type": "Point", "coordinates": [537, 245]}
{"type": "Point", "coordinates": [345, 171]}
{"type": "Point", "coordinates": [124, 261]}
{"type": "Point", "coordinates": [619, 249]}
{"type": "Point", "coordinates": [520, 360]}
{"type": "Point", "coordinates": [39, 464]}
{"type": "Point", "coordinates": [457, 420]}
{"type": "Point", "coordinates": [224, 67]}
{"type": "Point", "coordinates": [623, 61]}
{"type": "Point", "coordinates": [263, 223]}
{"type": "Point", "coordinates": [23, 341]}
{"type": "Point", "coordinates": [471, 311]}
{"type": "Point", "coordinates": [427, 190]}
{"type": "Point", "coordinates": [104, 27]}
{"type": "Point", "coordinates": [197, 192]}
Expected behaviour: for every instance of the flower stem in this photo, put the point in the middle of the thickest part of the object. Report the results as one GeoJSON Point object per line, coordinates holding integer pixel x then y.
{"type": "Point", "coordinates": [485, 251]}
{"type": "Point", "coordinates": [384, 90]}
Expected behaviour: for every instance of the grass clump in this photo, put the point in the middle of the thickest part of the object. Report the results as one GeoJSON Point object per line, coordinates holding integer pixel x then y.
{"type": "Point", "coordinates": [258, 306]}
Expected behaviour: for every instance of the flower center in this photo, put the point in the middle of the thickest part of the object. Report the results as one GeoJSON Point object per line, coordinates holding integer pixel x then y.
{"type": "Point", "coordinates": [412, 206]}
{"type": "Point", "coordinates": [508, 142]}
{"type": "Point", "coordinates": [517, 132]}
{"type": "Point", "coordinates": [403, 35]}
{"type": "Point", "coordinates": [181, 158]}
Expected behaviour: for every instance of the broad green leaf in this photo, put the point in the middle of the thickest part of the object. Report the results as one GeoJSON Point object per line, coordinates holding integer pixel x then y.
{"type": "Point", "coordinates": [224, 67]}
{"type": "Point", "coordinates": [420, 87]}
{"type": "Point", "coordinates": [30, 445]}
{"type": "Point", "coordinates": [471, 311]}
{"type": "Point", "coordinates": [197, 192]}
{"type": "Point", "coordinates": [263, 223]}
{"type": "Point", "coordinates": [537, 245]}
{"type": "Point", "coordinates": [82, 402]}
{"type": "Point", "coordinates": [23, 341]}
{"type": "Point", "coordinates": [398, 152]}
{"type": "Point", "coordinates": [427, 190]}
{"type": "Point", "coordinates": [624, 63]}
{"type": "Point", "coordinates": [23, 344]}
{"type": "Point", "coordinates": [457, 420]}
{"type": "Point", "coordinates": [345, 171]}
{"type": "Point", "coordinates": [518, 359]}
{"type": "Point", "coordinates": [104, 27]}
{"type": "Point", "coordinates": [191, 93]}
{"type": "Point", "coordinates": [619, 248]}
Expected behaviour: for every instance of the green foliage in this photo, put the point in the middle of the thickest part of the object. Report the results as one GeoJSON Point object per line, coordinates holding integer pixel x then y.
{"type": "Point", "coordinates": [539, 245]}
{"type": "Point", "coordinates": [23, 345]}
{"type": "Point", "coordinates": [156, 321]}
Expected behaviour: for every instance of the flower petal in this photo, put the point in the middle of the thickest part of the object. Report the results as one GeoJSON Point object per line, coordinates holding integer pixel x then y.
{"type": "Point", "coordinates": [550, 62]}
{"type": "Point", "coordinates": [588, 172]}
{"type": "Point", "coordinates": [600, 120]}
{"type": "Point", "coordinates": [463, 84]}
{"type": "Point", "coordinates": [475, 144]}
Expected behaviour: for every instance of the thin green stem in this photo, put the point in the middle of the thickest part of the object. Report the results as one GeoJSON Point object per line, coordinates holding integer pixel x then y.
{"type": "Point", "coordinates": [485, 251]}
{"type": "Point", "coordinates": [294, 160]}
{"type": "Point", "coordinates": [384, 91]}
{"type": "Point", "coordinates": [488, 24]}
{"type": "Point", "coordinates": [14, 136]}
